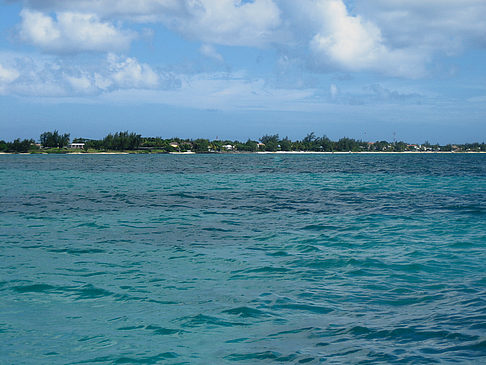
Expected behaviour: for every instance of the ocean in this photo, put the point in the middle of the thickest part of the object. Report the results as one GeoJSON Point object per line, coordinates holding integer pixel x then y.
{"type": "Point", "coordinates": [243, 259]}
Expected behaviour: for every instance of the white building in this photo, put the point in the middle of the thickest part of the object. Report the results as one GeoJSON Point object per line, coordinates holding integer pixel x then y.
{"type": "Point", "coordinates": [79, 146]}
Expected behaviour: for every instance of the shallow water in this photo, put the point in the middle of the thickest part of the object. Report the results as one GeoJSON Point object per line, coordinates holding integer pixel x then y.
{"type": "Point", "coordinates": [243, 259]}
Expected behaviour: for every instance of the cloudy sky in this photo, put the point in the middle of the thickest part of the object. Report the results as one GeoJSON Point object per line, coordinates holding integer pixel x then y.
{"type": "Point", "coordinates": [413, 70]}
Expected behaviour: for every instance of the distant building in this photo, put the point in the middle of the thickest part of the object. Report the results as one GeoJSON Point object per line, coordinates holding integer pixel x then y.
{"type": "Point", "coordinates": [174, 144]}
{"type": "Point", "coordinates": [78, 146]}
{"type": "Point", "coordinates": [228, 147]}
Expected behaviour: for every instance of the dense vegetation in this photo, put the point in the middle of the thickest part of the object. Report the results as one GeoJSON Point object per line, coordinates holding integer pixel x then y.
{"type": "Point", "coordinates": [54, 142]}
{"type": "Point", "coordinates": [54, 139]}
{"type": "Point", "coordinates": [18, 146]}
{"type": "Point", "coordinates": [120, 141]}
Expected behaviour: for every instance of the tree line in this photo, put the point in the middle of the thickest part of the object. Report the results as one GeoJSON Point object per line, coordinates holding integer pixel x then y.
{"type": "Point", "coordinates": [131, 141]}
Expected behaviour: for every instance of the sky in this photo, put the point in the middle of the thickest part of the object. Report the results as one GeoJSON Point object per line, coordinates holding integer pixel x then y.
{"type": "Point", "coordinates": [411, 70]}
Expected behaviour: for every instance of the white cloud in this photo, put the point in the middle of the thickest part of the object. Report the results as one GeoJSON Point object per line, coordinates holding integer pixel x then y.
{"type": "Point", "coordinates": [140, 9]}
{"type": "Point", "coordinates": [47, 76]}
{"type": "Point", "coordinates": [392, 37]}
{"type": "Point", "coordinates": [209, 51]}
{"type": "Point", "coordinates": [129, 73]}
{"type": "Point", "coordinates": [350, 43]}
{"type": "Point", "coordinates": [81, 84]}
{"type": "Point", "coordinates": [446, 26]}
{"type": "Point", "coordinates": [8, 75]}
{"type": "Point", "coordinates": [71, 32]}
{"type": "Point", "coordinates": [227, 22]}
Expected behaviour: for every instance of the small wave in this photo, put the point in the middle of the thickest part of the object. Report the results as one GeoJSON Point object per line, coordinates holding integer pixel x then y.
{"type": "Point", "coordinates": [34, 288]}
{"type": "Point", "coordinates": [266, 355]}
{"type": "Point", "coordinates": [304, 307]}
{"type": "Point", "coordinates": [321, 227]}
{"type": "Point", "coordinates": [409, 334]}
{"type": "Point", "coordinates": [278, 253]}
{"type": "Point", "coordinates": [89, 291]}
{"type": "Point", "coordinates": [131, 360]}
{"type": "Point", "coordinates": [270, 356]}
{"type": "Point", "coordinates": [130, 328]}
{"type": "Point", "coordinates": [204, 320]}
{"type": "Point", "coordinates": [92, 225]}
{"type": "Point", "coordinates": [213, 229]}
{"type": "Point", "coordinates": [292, 332]}
{"type": "Point", "coordinates": [246, 312]}
{"type": "Point", "coordinates": [270, 270]}
{"type": "Point", "coordinates": [162, 331]}
{"type": "Point", "coordinates": [80, 251]}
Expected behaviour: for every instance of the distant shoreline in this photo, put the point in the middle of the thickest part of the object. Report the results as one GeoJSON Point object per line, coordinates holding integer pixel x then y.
{"type": "Point", "coordinates": [252, 153]}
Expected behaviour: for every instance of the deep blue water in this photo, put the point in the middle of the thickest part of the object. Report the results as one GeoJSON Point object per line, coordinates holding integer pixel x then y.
{"type": "Point", "coordinates": [243, 259]}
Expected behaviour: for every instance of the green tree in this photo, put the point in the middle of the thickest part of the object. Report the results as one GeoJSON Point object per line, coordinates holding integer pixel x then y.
{"type": "Point", "coordinates": [19, 146]}
{"type": "Point", "coordinates": [200, 145]}
{"type": "Point", "coordinates": [286, 144]}
{"type": "Point", "coordinates": [270, 142]}
{"type": "Point", "coordinates": [347, 144]}
{"type": "Point", "coordinates": [54, 139]}
{"type": "Point", "coordinates": [325, 144]}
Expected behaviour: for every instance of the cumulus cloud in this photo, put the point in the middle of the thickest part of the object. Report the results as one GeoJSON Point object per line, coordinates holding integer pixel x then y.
{"type": "Point", "coordinates": [71, 32]}
{"type": "Point", "coordinates": [447, 26]}
{"type": "Point", "coordinates": [81, 84]}
{"type": "Point", "coordinates": [7, 75]}
{"type": "Point", "coordinates": [117, 79]}
{"type": "Point", "coordinates": [209, 51]}
{"type": "Point", "coordinates": [142, 10]}
{"type": "Point", "coordinates": [129, 73]}
{"type": "Point", "coordinates": [393, 37]}
{"type": "Point", "coordinates": [353, 44]}
{"type": "Point", "coordinates": [227, 22]}
{"type": "Point", "coordinates": [51, 77]}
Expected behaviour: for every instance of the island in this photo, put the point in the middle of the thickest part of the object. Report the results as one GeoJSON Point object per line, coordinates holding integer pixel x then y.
{"type": "Point", "coordinates": [131, 142]}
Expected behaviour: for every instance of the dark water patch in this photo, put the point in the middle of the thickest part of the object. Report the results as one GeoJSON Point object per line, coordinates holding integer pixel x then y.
{"type": "Point", "coordinates": [163, 331]}
{"type": "Point", "coordinates": [77, 251]}
{"type": "Point", "coordinates": [269, 270]}
{"type": "Point", "coordinates": [214, 229]}
{"type": "Point", "coordinates": [156, 359]}
{"type": "Point", "coordinates": [51, 353]}
{"type": "Point", "coordinates": [266, 355]}
{"type": "Point", "coordinates": [410, 334]}
{"type": "Point", "coordinates": [35, 288]}
{"type": "Point", "coordinates": [202, 320]}
{"type": "Point", "coordinates": [89, 291]}
{"type": "Point", "coordinates": [278, 254]}
{"type": "Point", "coordinates": [130, 328]}
{"type": "Point", "coordinates": [307, 248]}
{"type": "Point", "coordinates": [306, 360]}
{"type": "Point", "coordinates": [302, 307]}
{"type": "Point", "coordinates": [246, 312]}
{"type": "Point", "coordinates": [285, 334]}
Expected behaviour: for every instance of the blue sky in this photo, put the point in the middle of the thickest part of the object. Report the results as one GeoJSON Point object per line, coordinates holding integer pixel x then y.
{"type": "Point", "coordinates": [413, 70]}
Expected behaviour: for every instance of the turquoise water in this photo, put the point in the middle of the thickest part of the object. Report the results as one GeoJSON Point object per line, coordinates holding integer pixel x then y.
{"type": "Point", "coordinates": [243, 259]}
